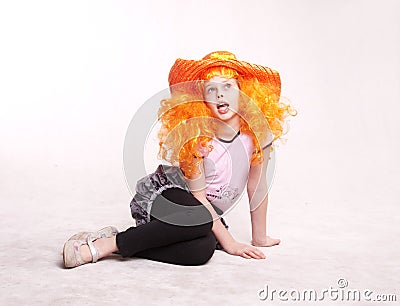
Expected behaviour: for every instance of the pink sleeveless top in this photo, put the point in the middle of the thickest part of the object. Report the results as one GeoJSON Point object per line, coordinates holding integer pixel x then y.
{"type": "Point", "coordinates": [226, 170]}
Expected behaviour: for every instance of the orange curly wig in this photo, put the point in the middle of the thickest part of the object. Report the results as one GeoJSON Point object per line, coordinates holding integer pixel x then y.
{"type": "Point", "coordinates": [188, 124]}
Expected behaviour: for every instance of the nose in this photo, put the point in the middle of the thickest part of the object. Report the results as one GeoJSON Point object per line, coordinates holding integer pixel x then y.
{"type": "Point", "coordinates": [220, 94]}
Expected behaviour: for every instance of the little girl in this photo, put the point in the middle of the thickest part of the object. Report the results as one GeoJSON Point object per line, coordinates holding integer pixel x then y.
{"type": "Point", "coordinates": [217, 133]}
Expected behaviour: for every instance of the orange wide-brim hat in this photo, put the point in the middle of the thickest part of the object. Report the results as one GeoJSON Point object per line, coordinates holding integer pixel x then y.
{"type": "Point", "coordinates": [192, 70]}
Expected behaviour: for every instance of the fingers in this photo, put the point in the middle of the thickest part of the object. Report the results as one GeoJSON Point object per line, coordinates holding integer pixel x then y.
{"type": "Point", "coordinates": [244, 254]}
{"type": "Point", "coordinates": [253, 253]}
{"type": "Point", "coordinates": [258, 254]}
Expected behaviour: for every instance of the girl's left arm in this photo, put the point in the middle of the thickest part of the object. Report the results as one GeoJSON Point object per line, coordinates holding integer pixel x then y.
{"type": "Point", "coordinates": [257, 191]}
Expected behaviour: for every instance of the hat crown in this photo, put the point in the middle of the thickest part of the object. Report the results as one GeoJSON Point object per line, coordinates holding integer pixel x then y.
{"type": "Point", "coordinates": [220, 55]}
{"type": "Point", "coordinates": [192, 70]}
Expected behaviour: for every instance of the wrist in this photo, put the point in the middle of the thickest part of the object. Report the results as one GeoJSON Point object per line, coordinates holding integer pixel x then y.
{"type": "Point", "coordinates": [229, 246]}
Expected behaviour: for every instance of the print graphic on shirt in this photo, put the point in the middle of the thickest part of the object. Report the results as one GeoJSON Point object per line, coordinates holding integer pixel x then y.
{"type": "Point", "coordinates": [225, 193]}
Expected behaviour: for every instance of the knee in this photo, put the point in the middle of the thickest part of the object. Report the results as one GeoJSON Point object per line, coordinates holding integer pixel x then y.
{"type": "Point", "coordinates": [204, 252]}
{"type": "Point", "coordinates": [205, 258]}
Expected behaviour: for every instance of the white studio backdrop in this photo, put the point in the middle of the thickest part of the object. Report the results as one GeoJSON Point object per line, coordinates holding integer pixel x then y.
{"type": "Point", "coordinates": [73, 73]}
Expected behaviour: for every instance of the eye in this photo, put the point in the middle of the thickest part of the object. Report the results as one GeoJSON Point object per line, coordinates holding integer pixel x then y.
{"type": "Point", "coordinates": [228, 85]}
{"type": "Point", "coordinates": [210, 90]}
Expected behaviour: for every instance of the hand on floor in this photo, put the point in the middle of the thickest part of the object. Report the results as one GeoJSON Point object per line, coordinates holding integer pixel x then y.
{"type": "Point", "coordinates": [244, 250]}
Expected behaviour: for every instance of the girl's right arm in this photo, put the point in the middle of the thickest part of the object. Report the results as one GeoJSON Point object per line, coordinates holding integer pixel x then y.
{"type": "Point", "coordinates": [197, 185]}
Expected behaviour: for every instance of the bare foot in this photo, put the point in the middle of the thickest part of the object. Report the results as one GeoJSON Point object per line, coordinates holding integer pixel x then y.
{"type": "Point", "coordinates": [267, 242]}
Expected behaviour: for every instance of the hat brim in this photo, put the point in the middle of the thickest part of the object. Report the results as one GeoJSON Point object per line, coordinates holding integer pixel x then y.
{"type": "Point", "coordinates": [192, 70]}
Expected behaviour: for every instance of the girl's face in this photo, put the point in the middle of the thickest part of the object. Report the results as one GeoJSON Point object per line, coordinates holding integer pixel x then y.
{"type": "Point", "coordinates": [222, 97]}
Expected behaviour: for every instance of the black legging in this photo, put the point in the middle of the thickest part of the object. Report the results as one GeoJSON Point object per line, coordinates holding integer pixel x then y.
{"type": "Point", "coordinates": [175, 234]}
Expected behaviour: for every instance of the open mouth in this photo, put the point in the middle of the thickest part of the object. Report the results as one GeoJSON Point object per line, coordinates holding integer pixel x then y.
{"type": "Point", "coordinates": [224, 104]}
{"type": "Point", "coordinates": [223, 108]}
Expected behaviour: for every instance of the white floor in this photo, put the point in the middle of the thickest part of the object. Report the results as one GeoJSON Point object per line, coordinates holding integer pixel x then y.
{"type": "Point", "coordinates": [331, 228]}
